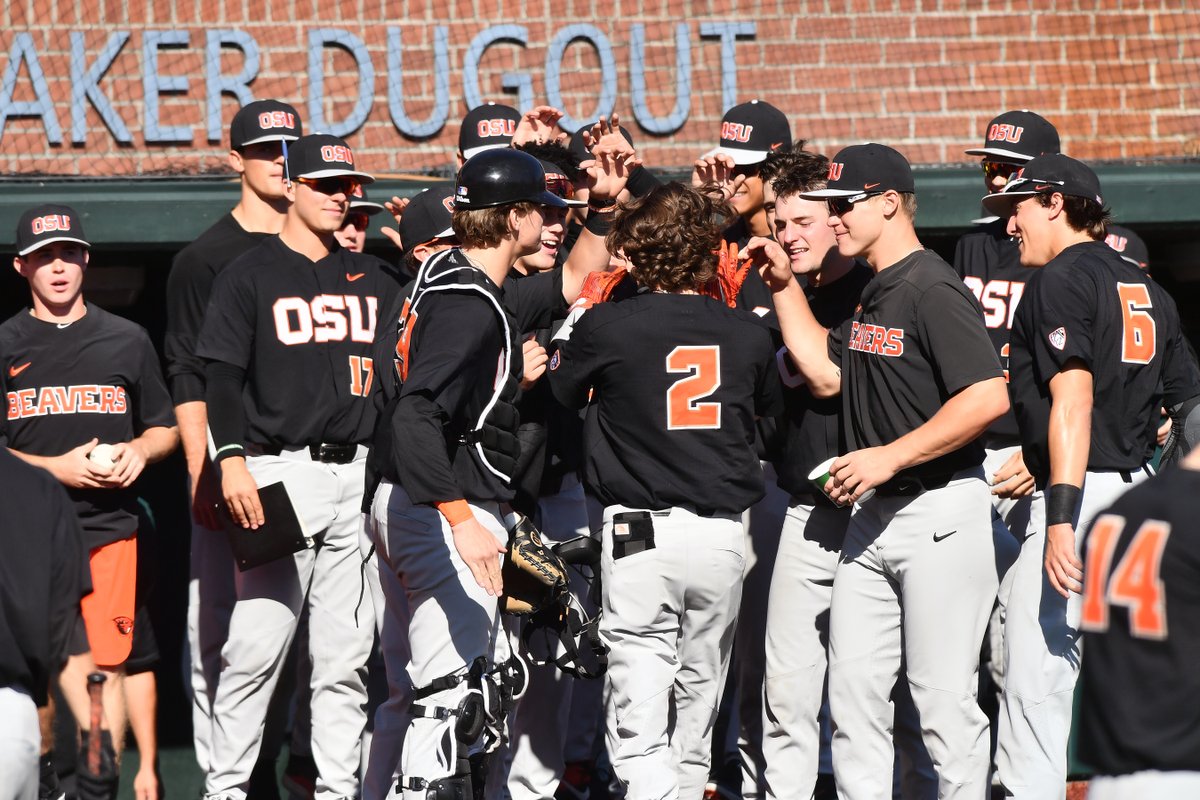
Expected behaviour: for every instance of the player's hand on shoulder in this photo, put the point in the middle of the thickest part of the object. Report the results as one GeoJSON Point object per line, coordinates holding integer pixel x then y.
{"type": "Point", "coordinates": [129, 459]}
{"type": "Point", "coordinates": [241, 493]}
{"type": "Point", "coordinates": [535, 359]}
{"type": "Point", "coordinates": [767, 257]}
{"type": "Point", "coordinates": [1063, 567]}
{"type": "Point", "coordinates": [479, 549]}
{"type": "Point", "coordinates": [856, 472]}
{"type": "Point", "coordinates": [1013, 479]}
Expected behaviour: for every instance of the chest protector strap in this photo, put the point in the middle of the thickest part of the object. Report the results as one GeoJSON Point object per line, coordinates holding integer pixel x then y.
{"type": "Point", "coordinates": [492, 437]}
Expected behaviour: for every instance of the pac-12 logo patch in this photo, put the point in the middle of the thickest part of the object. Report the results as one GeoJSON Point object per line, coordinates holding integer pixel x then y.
{"type": "Point", "coordinates": [1058, 338]}
{"type": "Point", "coordinates": [555, 361]}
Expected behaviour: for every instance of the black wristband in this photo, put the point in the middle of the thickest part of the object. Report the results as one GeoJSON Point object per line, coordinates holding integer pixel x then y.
{"type": "Point", "coordinates": [1061, 499]}
{"type": "Point", "coordinates": [599, 223]}
{"type": "Point", "coordinates": [641, 182]}
{"type": "Point", "coordinates": [601, 204]}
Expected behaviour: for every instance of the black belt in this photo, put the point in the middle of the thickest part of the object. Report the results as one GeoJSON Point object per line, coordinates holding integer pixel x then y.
{"type": "Point", "coordinates": [910, 485]}
{"type": "Point", "coordinates": [811, 499]}
{"type": "Point", "coordinates": [325, 453]}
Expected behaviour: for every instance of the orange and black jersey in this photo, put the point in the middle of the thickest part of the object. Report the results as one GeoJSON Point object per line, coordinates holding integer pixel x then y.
{"type": "Point", "coordinates": [189, 288]}
{"type": "Point", "coordinates": [302, 332]}
{"type": "Point", "coordinates": [1141, 630]}
{"type": "Point", "coordinates": [989, 262]}
{"type": "Point", "coordinates": [97, 377]}
{"type": "Point", "coordinates": [916, 340]}
{"type": "Point", "coordinates": [812, 427]}
{"type": "Point", "coordinates": [675, 382]}
{"type": "Point", "coordinates": [1091, 305]}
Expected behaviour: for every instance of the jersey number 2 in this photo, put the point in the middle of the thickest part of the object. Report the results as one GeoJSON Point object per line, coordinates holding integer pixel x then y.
{"type": "Point", "coordinates": [703, 365]}
{"type": "Point", "coordinates": [362, 370]}
{"type": "Point", "coordinates": [1137, 345]}
{"type": "Point", "coordinates": [1135, 583]}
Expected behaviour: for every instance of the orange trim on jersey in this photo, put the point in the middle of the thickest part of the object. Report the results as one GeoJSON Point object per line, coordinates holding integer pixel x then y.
{"type": "Point", "coordinates": [455, 511]}
{"type": "Point", "coordinates": [108, 610]}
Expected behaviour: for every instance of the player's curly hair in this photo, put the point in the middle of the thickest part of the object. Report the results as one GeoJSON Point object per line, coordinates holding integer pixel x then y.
{"type": "Point", "coordinates": [671, 236]}
{"type": "Point", "coordinates": [1083, 214]}
{"type": "Point", "coordinates": [486, 227]}
{"type": "Point", "coordinates": [796, 162]}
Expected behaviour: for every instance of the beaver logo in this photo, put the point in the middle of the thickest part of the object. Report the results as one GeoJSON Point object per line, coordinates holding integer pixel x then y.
{"type": "Point", "coordinates": [124, 625]}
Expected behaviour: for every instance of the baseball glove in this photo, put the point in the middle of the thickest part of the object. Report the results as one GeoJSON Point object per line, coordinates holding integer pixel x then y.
{"type": "Point", "coordinates": [534, 576]}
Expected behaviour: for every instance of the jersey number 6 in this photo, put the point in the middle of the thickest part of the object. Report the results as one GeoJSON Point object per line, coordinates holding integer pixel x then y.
{"type": "Point", "coordinates": [1137, 346]}
{"type": "Point", "coordinates": [703, 365]}
{"type": "Point", "coordinates": [1135, 583]}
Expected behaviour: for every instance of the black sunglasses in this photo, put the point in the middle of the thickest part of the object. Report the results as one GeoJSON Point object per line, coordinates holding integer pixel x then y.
{"type": "Point", "coordinates": [993, 168]}
{"type": "Point", "coordinates": [358, 219]}
{"type": "Point", "coordinates": [334, 184]}
{"type": "Point", "coordinates": [840, 206]}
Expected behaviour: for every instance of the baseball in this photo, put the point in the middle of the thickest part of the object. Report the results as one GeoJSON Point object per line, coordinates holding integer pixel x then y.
{"type": "Point", "coordinates": [102, 456]}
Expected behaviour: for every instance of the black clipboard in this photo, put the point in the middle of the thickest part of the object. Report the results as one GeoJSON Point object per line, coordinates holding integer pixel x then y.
{"type": "Point", "coordinates": [282, 534]}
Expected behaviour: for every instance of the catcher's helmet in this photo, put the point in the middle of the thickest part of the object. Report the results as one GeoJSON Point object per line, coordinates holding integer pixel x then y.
{"type": "Point", "coordinates": [498, 177]}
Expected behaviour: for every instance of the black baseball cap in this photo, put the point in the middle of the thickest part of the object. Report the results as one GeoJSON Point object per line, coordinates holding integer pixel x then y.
{"type": "Point", "coordinates": [500, 176]}
{"type": "Point", "coordinates": [427, 217]}
{"type": "Point", "coordinates": [487, 127]}
{"type": "Point", "coordinates": [359, 202]}
{"type": "Point", "coordinates": [1046, 175]}
{"type": "Point", "coordinates": [579, 148]}
{"type": "Point", "coordinates": [558, 183]}
{"type": "Point", "coordinates": [264, 121]}
{"type": "Point", "coordinates": [864, 169]}
{"type": "Point", "coordinates": [47, 223]}
{"type": "Point", "coordinates": [752, 131]}
{"type": "Point", "coordinates": [1128, 245]}
{"type": "Point", "coordinates": [1018, 136]}
{"type": "Point", "coordinates": [322, 155]}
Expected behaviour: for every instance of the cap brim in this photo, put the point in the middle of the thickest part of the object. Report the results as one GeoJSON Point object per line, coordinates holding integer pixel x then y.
{"type": "Point", "coordinates": [984, 220]}
{"type": "Point", "coordinates": [575, 203]}
{"type": "Point", "coordinates": [471, 152]}
{"type": "Point", "coordinates": [551, 199]}
{"type": "Point", "coordinates": [39, 245]}
{"type": "Point", "coordinates": [825, 194]}
{"type": "Point", "coordinates": [1001, 203]}
{"type": "Point", "coordinates": [336, 173]}
{"type": "Point", "coordinates": [274, 137]}
{"type": "Point", "coordinates": [999, 153]}
{"type": "Point", "coordinates": [740, 157]}
{"type": "Point", "coordinates": [369, 206]}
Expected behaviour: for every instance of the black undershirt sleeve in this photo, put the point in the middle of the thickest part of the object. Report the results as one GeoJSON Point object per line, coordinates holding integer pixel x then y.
{"type": "Point", "coordinates": [226, 414]}
{"type": "Point", "coordinates": [423, 463]}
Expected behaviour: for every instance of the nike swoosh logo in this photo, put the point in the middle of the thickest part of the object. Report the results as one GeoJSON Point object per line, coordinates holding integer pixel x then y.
{"type": "Point", "coordinates": [939, 537]}
{"type": "Point", "coordinates": [354, 277]}
{"type": "Point", "coordinates": [15, 371]}
{"type": "Point", "coordinates": [869, 186]}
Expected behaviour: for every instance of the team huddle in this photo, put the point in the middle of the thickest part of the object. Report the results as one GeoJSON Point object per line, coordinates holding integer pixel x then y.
{"type": "Point", "coordinates": [787, 481]}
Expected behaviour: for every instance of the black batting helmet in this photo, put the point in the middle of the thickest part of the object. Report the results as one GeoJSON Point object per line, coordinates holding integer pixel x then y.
{"type": "Point", "coordinates": [498, 177]}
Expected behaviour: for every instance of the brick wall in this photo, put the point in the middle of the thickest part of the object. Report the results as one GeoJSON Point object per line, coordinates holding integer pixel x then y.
{"type": "Point", "coordinates": [1120, 78]}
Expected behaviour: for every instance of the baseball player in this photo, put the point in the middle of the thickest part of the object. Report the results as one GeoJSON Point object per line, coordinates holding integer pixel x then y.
{"type": "Point", "coordinates": [257, 135]}
{"type": "Point", "coordinates": [678, 379]}
{"type": "Point", "coordinates": [1141, 622]}
{"type": "Point", "coordinates": [487, 127]}
{"type": "Point", "coordinates": [287, 337]}
{"type": "Point", "coordinates": [919, 382]}
{"type": "Point", "coordinates": [41, 581]}
{"type": "Point", "coordinates": [1128, 245]}
{"type": "Point", "coordinates": [353, 233]}
{"type": "Point", "coordinates": [440, 514]}
{"type": "Point", "coordinates": [1096, 351]}
{"type": "Point", "coordinates": [76, 377]}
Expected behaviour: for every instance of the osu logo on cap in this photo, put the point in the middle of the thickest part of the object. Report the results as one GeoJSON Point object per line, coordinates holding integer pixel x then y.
{"type": "Point", "coordinates": [736, 131]}
{"type": "Point", "coordinates": [1004, 132]}
{"type": "Point", "coordinates": [835, 170]}
{"type": "Point", "coordinates": [51, 222]}
{"type": "Point", "coordinates": [332, 153]}
{"type": "Point", "coordinates": [1116, 242]}
{"type": "Point", "coordinates": [276, 119]}
{"type": "Point", "coordinates": [448, 202]}
{"type": "Point", "coordinates": [488, 128]}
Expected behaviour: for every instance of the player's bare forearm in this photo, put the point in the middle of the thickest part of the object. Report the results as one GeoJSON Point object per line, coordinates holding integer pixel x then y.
{"type": "Point", "coordinates": [193, 434]}
{"type": "Point", "coordinates": [959, 421]}
{"type": "Point", "coordinates": [158, 442]}
{"type": "Point", "coordinates": [589, 254]}
{"type": "Point", "coordinates": [1070, 431]}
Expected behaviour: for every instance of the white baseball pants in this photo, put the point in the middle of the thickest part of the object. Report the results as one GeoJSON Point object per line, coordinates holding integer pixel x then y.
{"type": "Point", "coordinates": [20, 745]}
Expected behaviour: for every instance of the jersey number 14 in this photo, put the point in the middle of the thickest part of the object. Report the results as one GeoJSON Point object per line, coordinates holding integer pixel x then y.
{"type": "Point", "coordinates": [1135, 582]}
{"type": "Point", "coordinates": [702, 363]}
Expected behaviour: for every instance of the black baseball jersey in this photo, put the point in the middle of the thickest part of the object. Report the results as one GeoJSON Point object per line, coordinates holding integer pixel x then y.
{"type": "Point", "coordinates": [41, 576]}
{"type": "Point", "coordinates": [189, 287]}
{"type": "Point", "coordinates": [1141, 620]}
{"type": "Point", "coordinates": [677, 382]}
{"type": "Point", "coordinates": [453, 351]}
{"type": "Point", "coordinates": [1090, 304]}
{"type": "Point", "coordinates": [97, 377]}
{"type": "Point", "coordinates": [989, 262]}
{"type": "Point", "coordinates": [916, 340]}
{"type": "Point", "coordinates": [303, 332]}
{"type": "Point", "coordinates": [812, 427]}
